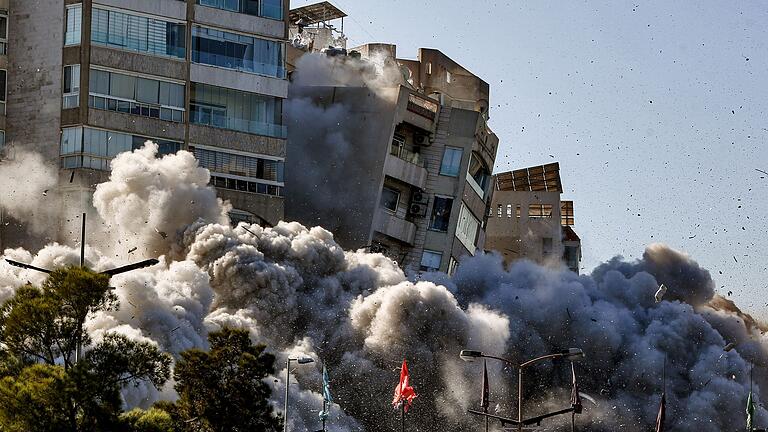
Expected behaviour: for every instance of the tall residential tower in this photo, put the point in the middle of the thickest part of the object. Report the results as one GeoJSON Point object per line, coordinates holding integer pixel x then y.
{"type": "Point", "coordinates": [89, 79]}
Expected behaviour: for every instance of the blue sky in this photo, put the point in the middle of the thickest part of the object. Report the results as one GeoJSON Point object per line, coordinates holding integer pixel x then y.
{"type": "Point", "coordinates": [656, 111]}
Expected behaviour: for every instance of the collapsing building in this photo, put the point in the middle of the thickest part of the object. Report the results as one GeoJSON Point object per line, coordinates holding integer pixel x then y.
{"type": "Point", "coordinates": [399, 165]}
{"type": "Point", "coordinates": [528, 220]}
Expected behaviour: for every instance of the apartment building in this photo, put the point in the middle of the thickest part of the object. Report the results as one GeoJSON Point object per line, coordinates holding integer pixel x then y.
{"type": "Point", "coordinates": [528, 219]}
{"type": "Point", "coordinates": [90, 79]}
{"type": "Point", "coordinates": [404, 170]}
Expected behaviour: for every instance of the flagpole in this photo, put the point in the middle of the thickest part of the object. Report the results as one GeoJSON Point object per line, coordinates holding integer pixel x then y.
{"type": "Point", "coordinates": [751, 369]}
{"type": "Point", "coordinates": [402, 416]}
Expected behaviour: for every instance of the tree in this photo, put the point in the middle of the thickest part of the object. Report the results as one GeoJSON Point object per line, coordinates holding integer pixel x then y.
{"type": "Point", "coordinates": [42, 387]}
{"type": "Point", "coordinates": [45, 324]}
{"type": "Point", "coordinates": [222, 390]}
{"type": "Point", "coordinates": [151, 420]}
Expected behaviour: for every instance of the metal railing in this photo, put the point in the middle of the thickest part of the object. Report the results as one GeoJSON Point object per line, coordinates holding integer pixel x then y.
{"type": "Point", "coordinates": [406, 155]}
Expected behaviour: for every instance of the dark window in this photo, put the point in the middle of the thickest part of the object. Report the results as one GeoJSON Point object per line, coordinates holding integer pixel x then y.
{"type": "Point", "coordinates": [441, 214]}
{"type": "Point", "coordinates": [389, 199]}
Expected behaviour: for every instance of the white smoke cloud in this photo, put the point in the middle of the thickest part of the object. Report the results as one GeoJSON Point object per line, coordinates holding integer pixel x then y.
{"type": "Point", "coordinates": [27, 191]}
{"type": "Point", "coordinates": [297, 291]}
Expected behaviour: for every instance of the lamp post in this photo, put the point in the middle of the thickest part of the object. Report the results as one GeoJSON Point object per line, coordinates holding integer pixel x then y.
{"type": "Point", "coordinates": [299, 360]}
{"type": "Point", "coordinates": [572, 354]}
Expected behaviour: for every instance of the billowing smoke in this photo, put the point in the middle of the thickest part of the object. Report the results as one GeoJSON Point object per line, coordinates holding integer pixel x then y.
{"type": "Point", "coordinates": [295, 289]}
{"type": "Point", "coordinates": [336, 107]}
{"type": "Point", "coordinates": [27, 191]}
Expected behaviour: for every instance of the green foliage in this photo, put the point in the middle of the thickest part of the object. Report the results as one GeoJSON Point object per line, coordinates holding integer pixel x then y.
{"type": "Point", "coordinates": [42, 388]}
{"type": "Point", "coordinates": [152, 420]}
{"type": "Point", "coordinates": [32, 401]}
{"type": "Point", "coordinates": [44, 324]}
{"type": "Point", "coordinates": [222, 390]}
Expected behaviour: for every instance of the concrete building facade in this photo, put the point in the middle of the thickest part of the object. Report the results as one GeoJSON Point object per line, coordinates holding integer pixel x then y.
{"type": "Point", "coordinates": [402, 170]}
{"type": "Point", "coordinates": [88, 79]}
{"type": "Point", "coordinates": [528, 220]}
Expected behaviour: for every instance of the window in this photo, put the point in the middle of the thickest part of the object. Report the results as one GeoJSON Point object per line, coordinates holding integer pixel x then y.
{"type": "Point", "coordinates": [138, 33]}
{"type": "Point", "coordinates": [2, 142]}
{"type": "Point", "coordinates": [451, 161]}
{"type": "Point", "coordinates": [453, 264]}
{"type": "Point", "coordinates": [94, 148]}
{"type": "Point", "coordinates": [71, 87]}
{"type": "Point", "coordinates": [241, 111]}
{"type": "Point", "coordinates": [3, 33]}
{"type": "Point", "coordinates": [518, 211]}
{"type": "Point", "coordinates": [3, 89]}
{"type": "Point", "coordinates": [269, 8]}
{"type": "Point", "coordinates": [467, 228]}
{"type": "Point", "coordinates": [74, 25]}
{"type": "Point", "coordinates": [236, 216]}
{"type": "Point", "coordinates": [242, 185]}
{"type": "Point", "coordinates": [429, 68]}
{"type": "Point", "coordinates": [240, 52]}
{"type": "Point", "coordinates": [441, 214]}
{"type": "Point", "coordinates": [478, 176]}
{"type": "Point", "coordinates": [136, 95]}
{"type": "Point", "coordinates": [539, 211]}
{"type": "Point", "coordinates": [272, 9]}
{"type": "Point", "coordinates": [430, 261]}
{"type": "Point", "coordinates": [448, 77]}
{"type": "Point", "coordinates": [390, 198]}
{"type": "Point", "coordinates": [241, 165]}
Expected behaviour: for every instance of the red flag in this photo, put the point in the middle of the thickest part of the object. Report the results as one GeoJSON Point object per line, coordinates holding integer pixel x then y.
{"type": "Point", "coordinates": [486, 389]}
{"type": "Point", "coordinates": [404, 393]}
{"type": "Point", "coordinates": [662, 413]}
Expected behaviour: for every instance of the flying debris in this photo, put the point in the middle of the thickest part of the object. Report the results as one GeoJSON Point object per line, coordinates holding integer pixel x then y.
{"type": "Point", "coordinates": [730, 346]}
{"type": "Point", "coordinates": [162, 234]}
{"type": "Point", "coordinates": [660, 293]}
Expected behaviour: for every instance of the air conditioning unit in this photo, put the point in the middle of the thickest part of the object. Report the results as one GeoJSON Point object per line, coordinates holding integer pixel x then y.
{"type": "Point", "coordinates": [419, 197]}
{"type": "Point", "coordinates": [417, 210]}
{"type": "Point", "coordinates": [421, 139]}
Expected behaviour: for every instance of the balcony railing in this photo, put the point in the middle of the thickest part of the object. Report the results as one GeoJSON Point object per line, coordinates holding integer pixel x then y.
{"type": "Point", "coordinates": [406, 155]}
{"type": "Point", "coordinates": [201, 115]}
{"type": "Point", "coordinates": [422, 107]}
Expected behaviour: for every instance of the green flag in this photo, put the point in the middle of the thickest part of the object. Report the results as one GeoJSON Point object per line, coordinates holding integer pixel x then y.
{"type": "Point", "coordinates": [750, 412]}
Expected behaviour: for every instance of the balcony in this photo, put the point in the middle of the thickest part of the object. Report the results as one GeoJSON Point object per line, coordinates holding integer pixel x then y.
{"type": "Point", "coordinates": [395, 227]}
{"type": "Point", "coordinates": [421, 106]}
{"type": "Point", "coordinates": [406, 166]}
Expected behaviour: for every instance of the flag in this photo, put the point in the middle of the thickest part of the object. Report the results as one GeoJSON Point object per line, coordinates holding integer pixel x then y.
{"type": "Point", "coordinates": [662, 413]}
{"type": "Point", "coordinates": [404, 393]}
{"type": "Point", "coordinates": [575, 397]}
{"type": "Point", "coordinates": [486, 390]}
{"type": "Point", "coordinates": [750, 412]}
{"type": "Point", "coordinates": [327, 398]}
{"type": "Point", "coordinates": [327, 387]}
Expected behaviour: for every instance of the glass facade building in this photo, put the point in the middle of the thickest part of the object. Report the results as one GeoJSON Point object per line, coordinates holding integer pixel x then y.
{"type": "Point", "coordinates": [138, 33]}
{"type": "Point", "coordinates": [85, 147]}
{"type": "Point", "coordinates": [239, 52]}
{"type": "Point", "coordinates": [263, 8]}
{"type": "Point", "coordinates": [236, 110]}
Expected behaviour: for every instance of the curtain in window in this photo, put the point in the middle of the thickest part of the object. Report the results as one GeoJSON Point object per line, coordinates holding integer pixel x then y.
{"type": "Point", "coordinates": [117, 33]}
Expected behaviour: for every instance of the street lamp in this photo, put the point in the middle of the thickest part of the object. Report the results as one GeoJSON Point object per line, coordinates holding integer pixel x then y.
{"type": "Point", "coordinates": [299, 360]}
{"type": "Point", "coordinates": [572, 354]}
